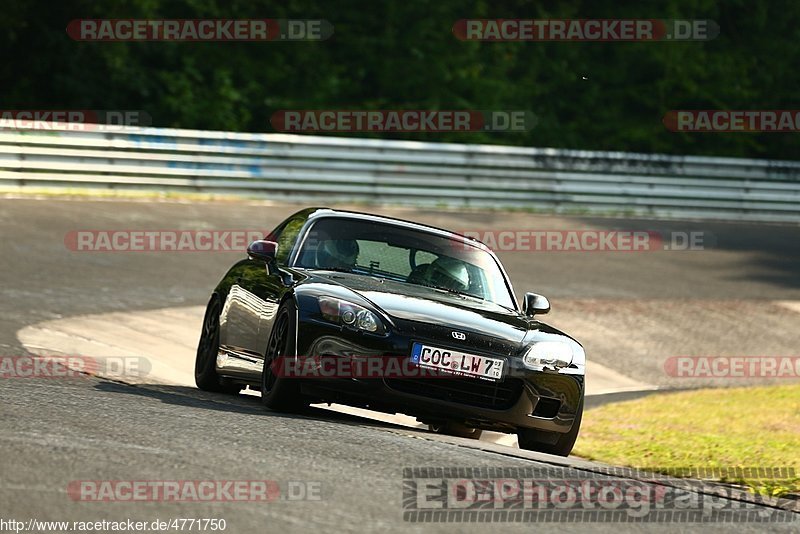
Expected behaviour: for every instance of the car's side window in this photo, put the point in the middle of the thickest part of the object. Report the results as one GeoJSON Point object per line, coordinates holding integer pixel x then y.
{"type": "Point", "coordinates": [286, 237]}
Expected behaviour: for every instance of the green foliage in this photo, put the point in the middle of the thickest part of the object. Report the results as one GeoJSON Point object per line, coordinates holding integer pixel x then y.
{"type": "Point", "coordinates": [403, 55]}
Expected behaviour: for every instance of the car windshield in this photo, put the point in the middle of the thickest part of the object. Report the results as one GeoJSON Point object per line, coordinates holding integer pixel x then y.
{"type": "Point", "coordinates": [404, 255]}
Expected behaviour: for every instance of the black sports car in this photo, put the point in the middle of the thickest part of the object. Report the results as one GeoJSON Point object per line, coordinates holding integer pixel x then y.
{"type": "Point", "coordinates": [369, 311]}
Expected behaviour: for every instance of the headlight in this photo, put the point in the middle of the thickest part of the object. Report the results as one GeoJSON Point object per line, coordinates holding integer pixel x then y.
{"type": "Point", "coordinates": [548, 356]}
{"type": "Point", "coordinates": [349, 314]}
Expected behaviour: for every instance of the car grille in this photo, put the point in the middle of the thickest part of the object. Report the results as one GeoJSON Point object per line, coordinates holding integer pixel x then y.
{"type": "Point", "coordinates": [499, 395]}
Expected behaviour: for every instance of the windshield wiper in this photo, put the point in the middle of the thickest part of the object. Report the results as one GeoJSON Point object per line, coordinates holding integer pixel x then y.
{"type": "Point", "coordinates": [450, 290]}
{"type": "Point", "coordinates": [354, 270]}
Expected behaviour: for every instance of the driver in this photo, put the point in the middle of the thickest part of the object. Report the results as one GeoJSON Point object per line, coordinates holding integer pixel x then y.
{"type": "Point", "coordinates": [337, 254]}
{"type": "Point", "coordinates": [449, 273]}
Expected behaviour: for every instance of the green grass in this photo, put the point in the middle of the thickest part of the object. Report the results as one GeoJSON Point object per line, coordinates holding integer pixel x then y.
{"type": "Point", "coordinates": [712, 428]}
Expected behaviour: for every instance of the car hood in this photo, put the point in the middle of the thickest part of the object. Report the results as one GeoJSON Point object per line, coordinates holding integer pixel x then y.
{"type": "Point", "coordinates": [404, 303]}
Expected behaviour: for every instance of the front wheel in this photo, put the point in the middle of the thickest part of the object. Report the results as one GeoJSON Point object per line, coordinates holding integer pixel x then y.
{"type": "Point", "coordinates": [277, 392]}
{"type": "Point", "coordinates": [205, 363]}
{"type": "Point", "coordinates": [550, 442]}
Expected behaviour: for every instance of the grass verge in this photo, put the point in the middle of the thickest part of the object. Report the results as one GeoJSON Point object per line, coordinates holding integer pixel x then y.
{"type": "Point", "coordinates": [752, 427]}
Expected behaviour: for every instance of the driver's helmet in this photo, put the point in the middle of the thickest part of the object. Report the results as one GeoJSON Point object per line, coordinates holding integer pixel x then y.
{"type": "Point", "coordinates": [449, 273]}
{"type": "Point", "coordinates": [337, 254]}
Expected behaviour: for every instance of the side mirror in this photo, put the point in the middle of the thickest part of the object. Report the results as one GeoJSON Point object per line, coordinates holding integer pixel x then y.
{"type": "Point", "coordinates": [263, 250]}
{"type": "Point", "coordinates": [534, 304]}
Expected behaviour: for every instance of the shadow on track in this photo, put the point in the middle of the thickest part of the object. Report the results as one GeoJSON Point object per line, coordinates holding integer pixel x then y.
{"type": "Point", "coordinates": [243, 404]}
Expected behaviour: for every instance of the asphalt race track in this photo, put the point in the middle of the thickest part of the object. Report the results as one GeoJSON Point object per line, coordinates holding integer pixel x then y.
{"type": "Point", "coordinates": [632, 310]}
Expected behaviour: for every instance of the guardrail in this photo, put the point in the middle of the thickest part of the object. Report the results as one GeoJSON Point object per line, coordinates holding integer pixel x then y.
{"type": "Point", "coordinates": [330, 169]}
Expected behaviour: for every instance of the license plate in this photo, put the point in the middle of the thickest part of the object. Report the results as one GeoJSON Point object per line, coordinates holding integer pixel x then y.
{"type": "Point", "coordinates": [457, 363]}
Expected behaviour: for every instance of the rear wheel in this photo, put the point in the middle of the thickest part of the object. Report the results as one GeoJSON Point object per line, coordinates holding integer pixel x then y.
{"type": "Point", "coordinates": [281, 393]}
{"type": "Point", "coordinates": [456, 429]}
{"type": "Point", "coordinates": [205, 363]}
{"type": "Point", "coordinates": [551, 442]}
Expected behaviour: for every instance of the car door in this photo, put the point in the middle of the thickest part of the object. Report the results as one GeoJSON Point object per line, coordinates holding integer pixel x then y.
{"type": "Point", "coordinates": [252, 302]}
{"type": "Point", "coordinates": [270, 289]}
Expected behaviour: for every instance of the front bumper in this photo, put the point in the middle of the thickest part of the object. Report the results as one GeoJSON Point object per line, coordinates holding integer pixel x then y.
{"type": "Point", "coordinates": [522, 399]}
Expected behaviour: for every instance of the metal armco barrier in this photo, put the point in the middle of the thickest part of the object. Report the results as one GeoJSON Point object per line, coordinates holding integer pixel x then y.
{"type": "Point", "coordinates": [328, 169]}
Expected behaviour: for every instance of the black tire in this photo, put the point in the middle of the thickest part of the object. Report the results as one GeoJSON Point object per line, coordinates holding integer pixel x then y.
{"type": "Point", "coordinates": [205, 363]}
{"type": "Point", "coordinates": [281, 393]}
{"type": "Point", "coordinates": [456, 429]}
{"type": "Point", "coordinates": [536, 440]}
